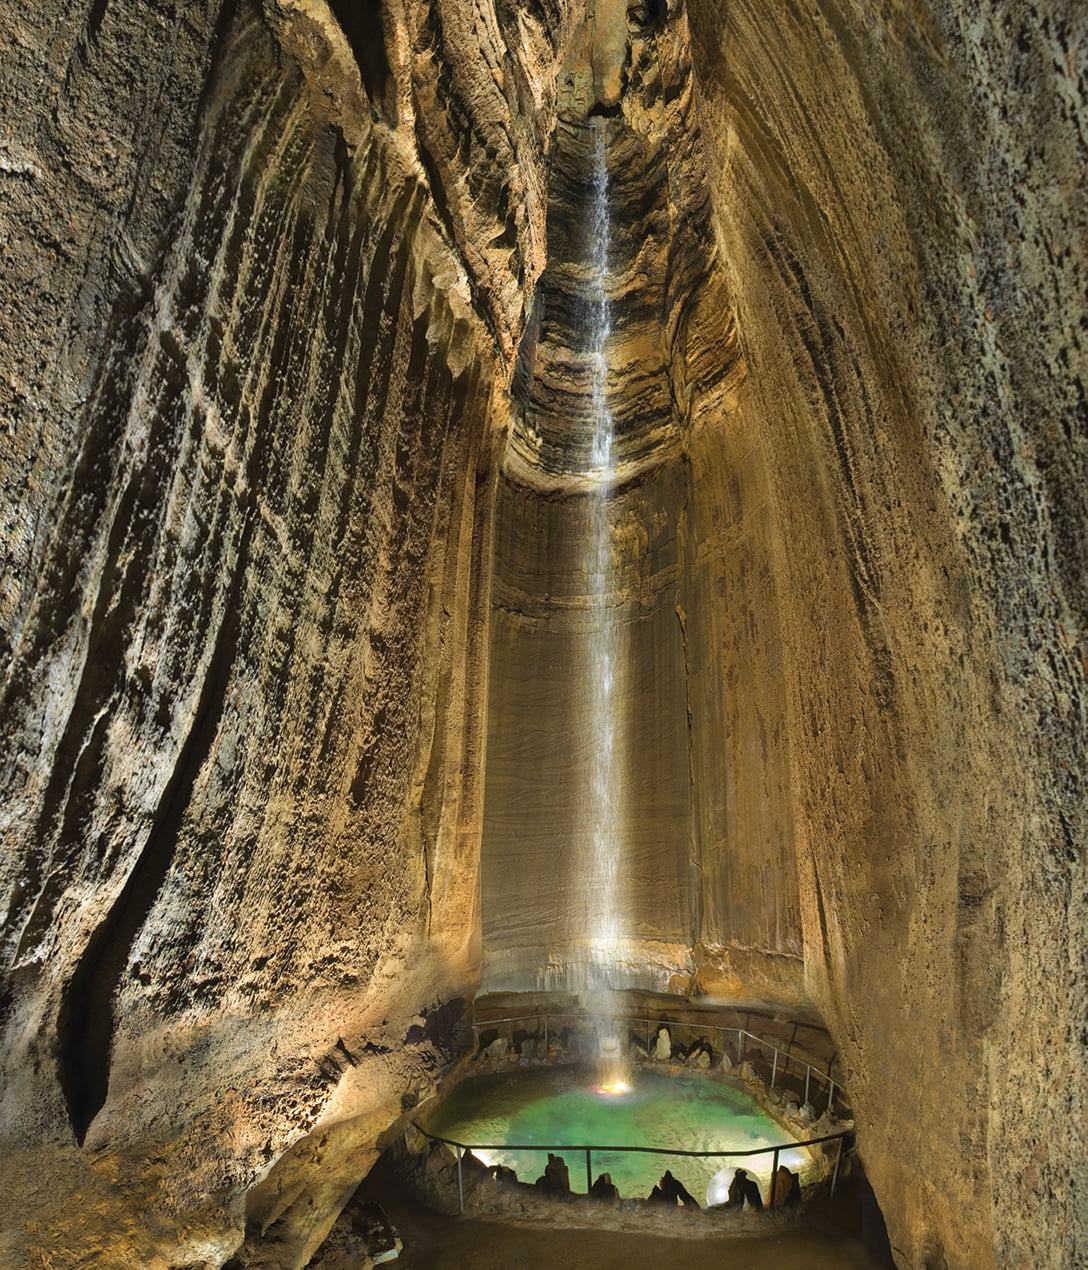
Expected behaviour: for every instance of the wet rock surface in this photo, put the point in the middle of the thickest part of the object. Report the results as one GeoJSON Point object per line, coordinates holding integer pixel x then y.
{"type": "Point", "coordinates": [705, 847]}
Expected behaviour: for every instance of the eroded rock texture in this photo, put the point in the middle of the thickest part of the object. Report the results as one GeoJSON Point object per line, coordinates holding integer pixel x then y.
{"type": "Point", "coordinates": [899, 194]}
{"type": "Point", "coordinates": [290, 336]}
{"type": "Point", "coordinates": [699, 810]}
{"type": "Point", "coordinates": [247, 501]}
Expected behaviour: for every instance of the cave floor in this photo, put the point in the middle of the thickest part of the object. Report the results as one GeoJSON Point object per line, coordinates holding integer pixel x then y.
{"type": "Point", "coordinates": [823, 1241]}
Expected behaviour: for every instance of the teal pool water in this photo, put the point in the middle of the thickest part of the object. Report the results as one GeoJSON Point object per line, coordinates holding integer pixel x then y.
{"type": "Point", "coordinates": [555, 1107]}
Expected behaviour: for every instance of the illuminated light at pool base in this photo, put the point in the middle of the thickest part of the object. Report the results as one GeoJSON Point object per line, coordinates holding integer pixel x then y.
{"type": "Point", "coordinates": [613, 1063]}
{"type": "Point", "coordinates": [613, 1066]}
{"type": "Point", "coordinates": [614, 1087]}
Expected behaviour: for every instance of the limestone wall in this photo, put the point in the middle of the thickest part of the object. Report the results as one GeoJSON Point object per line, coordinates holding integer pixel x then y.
{"type": "Point", "coordinates": [899, 197]}
{"type": "Point", "coordinates": [249, 370]}
{"type": "Point", "coordinates": [267, 274]}
{"type": "Point", "coordinates": [702, 825]}
{"type": "Point", "coordinates": [540, 884]}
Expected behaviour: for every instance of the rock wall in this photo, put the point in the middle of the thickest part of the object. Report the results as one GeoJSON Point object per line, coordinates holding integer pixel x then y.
{"type": "Point", "coordinates": [540, 888]}
{"type": "Point", "coordinates": [267, 274]}
{"type": "Point", "coordinates": [701, 819]}
{"type": "Point", "coordinates": [899, 195]}
{"type": "Point", "coordinates": [250, 374]}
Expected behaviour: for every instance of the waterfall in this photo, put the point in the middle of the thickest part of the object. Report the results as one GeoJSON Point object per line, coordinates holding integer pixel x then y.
{"type": "Point", "coordinates": [604, 868]}
{"type": "Point", "coordinates": [601, 650]}
{"type": "Point", "coordinates": [600, 319]}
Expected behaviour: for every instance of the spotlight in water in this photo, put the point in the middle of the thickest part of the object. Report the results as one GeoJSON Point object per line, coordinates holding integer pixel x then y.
{"type": "Point", "coordinates": [611, 1068]}
{"type": "Point", "coordinates": [717, 1191]}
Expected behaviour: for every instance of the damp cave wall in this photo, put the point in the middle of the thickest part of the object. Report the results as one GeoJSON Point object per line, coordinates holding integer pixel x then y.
{"type": "Point", "coordinates": [254, 326]}
{"type": "Point", "coordinates": [704, 893]}
{"type": "Point", "coordinates": [244, 659]}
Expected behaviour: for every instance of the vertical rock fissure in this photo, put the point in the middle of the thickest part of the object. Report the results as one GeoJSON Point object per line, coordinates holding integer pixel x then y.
{"type": "Point", "coordinates": [85, 1021]}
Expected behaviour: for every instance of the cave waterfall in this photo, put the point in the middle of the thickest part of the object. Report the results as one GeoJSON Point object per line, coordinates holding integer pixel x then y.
{"type": "Point", "coordinates": [603, 872]}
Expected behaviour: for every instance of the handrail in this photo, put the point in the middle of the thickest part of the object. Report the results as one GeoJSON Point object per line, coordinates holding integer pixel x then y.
{"type": "Point", "coordinates": [704, 1027]}
{"type": "Point", "coordinates": [701, 1155]}
{"type": "Point", "coordinates": [633, 1018]}
{"type": "Point", "coordinates": [589, 1149]}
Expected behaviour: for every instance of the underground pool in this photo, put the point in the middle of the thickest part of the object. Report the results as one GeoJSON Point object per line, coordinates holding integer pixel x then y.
{"type": "Point", "coordinates": [550, 1108]}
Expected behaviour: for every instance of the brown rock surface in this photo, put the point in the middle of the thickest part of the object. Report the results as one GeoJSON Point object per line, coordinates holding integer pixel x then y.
{"type": "Point", "coordinates": [247, 511]}
{"type": "Point", "coordinates": [290, 338]}
{"type": "Point", "coordinates": [708, 869]}
{"type": "Point", "coordinates": [899, 192]}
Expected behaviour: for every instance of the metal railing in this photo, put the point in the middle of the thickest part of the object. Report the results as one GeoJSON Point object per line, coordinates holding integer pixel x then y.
{"type": "Point", "coordinates": [741, 1033]}
{"type": "Point", "coordinates": [588, 1150]}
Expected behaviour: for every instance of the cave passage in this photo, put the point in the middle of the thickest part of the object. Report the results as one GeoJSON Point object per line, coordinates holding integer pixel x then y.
{"type": "Point", "coordinates": [361, 691]}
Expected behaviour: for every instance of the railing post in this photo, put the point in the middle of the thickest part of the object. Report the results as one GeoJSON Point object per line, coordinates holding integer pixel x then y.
{"type": "Point", "coordinates": [589, 1170]}
{"type": "Point", "coordinates": [774, 1175]}
{"type": "Point", "coordinates": [838, 1160]}
{"type": "Point", "coordinates": [808, 1077]}
{"type": "Point", "coordinates": [774, 1067]}
{"type": "Point", "coordinates": [460, 1185]}
{"type": "Point", "coordinates": [830, 1093]}
{"type": "Point", "coordinates": [740, 1046]}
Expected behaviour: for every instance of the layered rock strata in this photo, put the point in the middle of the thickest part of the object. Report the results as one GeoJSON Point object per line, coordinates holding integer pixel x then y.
{"type": "Point", "coordinates": [705, 868]}
{"type": "Point", "coordinates": [899, 195]}
{"type": "Point", "coordinates": [250, 431]}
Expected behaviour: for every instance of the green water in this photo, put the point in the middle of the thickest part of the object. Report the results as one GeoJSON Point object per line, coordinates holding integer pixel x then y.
{"type": "Point", "coordinates": [556, 1107]}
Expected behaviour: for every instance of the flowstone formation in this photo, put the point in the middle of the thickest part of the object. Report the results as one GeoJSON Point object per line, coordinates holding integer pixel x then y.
{"type": "Point", "coordinates": [289, 437]}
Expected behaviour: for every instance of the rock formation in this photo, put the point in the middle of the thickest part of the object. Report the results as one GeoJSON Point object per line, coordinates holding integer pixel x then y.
{"type": "Point", "coordinates": [675, 372]}
{"type": "Point", "coordinates": [291, 400]}
{"type": "Point", "coordinates": [247, 530]}
{"type": "Point", "coordinates": [899, 194]}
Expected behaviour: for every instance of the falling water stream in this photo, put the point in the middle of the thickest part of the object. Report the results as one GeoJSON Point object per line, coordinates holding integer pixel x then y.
{"type": "Point", "coordinates": [602, 660]}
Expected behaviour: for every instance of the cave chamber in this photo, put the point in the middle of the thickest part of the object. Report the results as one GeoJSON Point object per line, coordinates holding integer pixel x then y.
{"type": "Point", "coordinates": [298, 388]}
